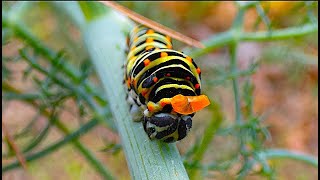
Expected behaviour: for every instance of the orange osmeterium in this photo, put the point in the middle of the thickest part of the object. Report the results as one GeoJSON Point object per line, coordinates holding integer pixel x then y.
{"type": "Point", "coordinates": [189, 104]}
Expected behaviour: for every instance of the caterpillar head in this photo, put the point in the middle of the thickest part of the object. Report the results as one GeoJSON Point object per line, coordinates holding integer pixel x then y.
{"type": "Point", "coordinates": [167, 127]}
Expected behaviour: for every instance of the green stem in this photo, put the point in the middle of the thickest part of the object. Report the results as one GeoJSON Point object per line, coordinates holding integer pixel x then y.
{"type": "Point", "coordinates": [209, 132]}
{"type": "Point", "coordinates": [226, 38]}
{"type": "Point", "coordinates": [10, 96]}
{"type": "Point", "coordinates": [247, 4]}
{"type": "Point", "coordinates": [287, 33]}
{"type": "Point", "coordinates": [263, 16]}
{"type": "Point", "coordinates": [237, 30]}
{"type": "Point", "coordinates": [207, 137]}
{"type": "Point", "coordinates": [233, 64]}
{"type": "Point", "coordinates": [214, 42]}
{"type": "Point", "coordinates": [282, 153]}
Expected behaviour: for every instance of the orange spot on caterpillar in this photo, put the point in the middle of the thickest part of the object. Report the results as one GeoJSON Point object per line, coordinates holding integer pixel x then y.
{"type": "Point", "coordinates": [149, 40]}
{"type": "Point", "coordinates": [162, 103]}
{"type": "Point", "coordinates": [168, 38]}
{"type": "Point", "coordinates": [163, 54]}
{"type": "Point", "coordinates": [198, 70]}
{"type": "Point", "coordinates": [149, 47]}
{"type": "Point", "coordinates": [135, 39]}
{"type": "Point", "coordinates": [169, 46]}
{"type": "Point", "coordinates": [146, 62]}
{"type": "Point", "coordinates": [197, 86]}
{"type": "Point", "coordinates": [144, 92]}
{"type": "Point", "coordinates": [128, 82]}
{"type": "Point", "coordinates": [136, 29]}
{"type": "Point", "coordinates": [150, 31]}
{"type": "Point", "coordinates": [155, 79]}
{"type": "Point", "coordinates": [134, 82]}
{"type": "Point", "coordinates": [189, 104]}
{"type": "Point", "coordinates": [150, 107]}
{"type": "Point", "coordinates": [189, 59]}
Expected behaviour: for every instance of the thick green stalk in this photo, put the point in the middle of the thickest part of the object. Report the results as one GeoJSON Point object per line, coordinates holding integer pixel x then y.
{"type": "Point", "coordinates": [226, 38]}
{"type": "Point", "coordinates": [233, 54]}
{"type": "Point", "coordinates": [237, 30]}
{"type": "Point", "coordinates": [214, 42]}
{"type": "Point", "coordinates": [282, 153]}
{"type": "Point", "coordinates": [105, 40]}
{"type": "Point", "coordinates": [208, 136]}
{"type": "Point", "coordinates": [146, 159]}
{"type": "Point", "coordinates": [281, 34]}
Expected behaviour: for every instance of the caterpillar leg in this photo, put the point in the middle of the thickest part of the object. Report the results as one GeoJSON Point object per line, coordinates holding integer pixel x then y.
{"type": "Point", "coordinates": [135, 109]}
{"type": "Point", "coordinates": [135, 112]}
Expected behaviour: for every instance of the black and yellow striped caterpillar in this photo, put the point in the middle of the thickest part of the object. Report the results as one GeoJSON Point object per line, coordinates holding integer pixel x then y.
{"type": "Point", "coordinates": [162, 83]}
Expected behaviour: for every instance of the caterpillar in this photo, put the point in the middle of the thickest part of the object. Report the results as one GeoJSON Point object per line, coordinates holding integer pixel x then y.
{"type": "Point", "coordinates": [163, 85]}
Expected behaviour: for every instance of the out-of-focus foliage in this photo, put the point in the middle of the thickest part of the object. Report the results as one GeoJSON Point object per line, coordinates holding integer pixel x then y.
{"type": "Point", "coordinates": [264, 93]}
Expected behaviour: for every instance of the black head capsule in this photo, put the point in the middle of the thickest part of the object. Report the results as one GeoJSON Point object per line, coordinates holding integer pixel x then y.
{"type": "Point", "coordinates": [167, 127]}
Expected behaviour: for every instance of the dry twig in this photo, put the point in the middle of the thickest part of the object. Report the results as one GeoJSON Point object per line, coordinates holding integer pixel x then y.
{"type": "Point", "coordinates": [20, 157]}
{"type": "Point", "coordinates": [154, 25]}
